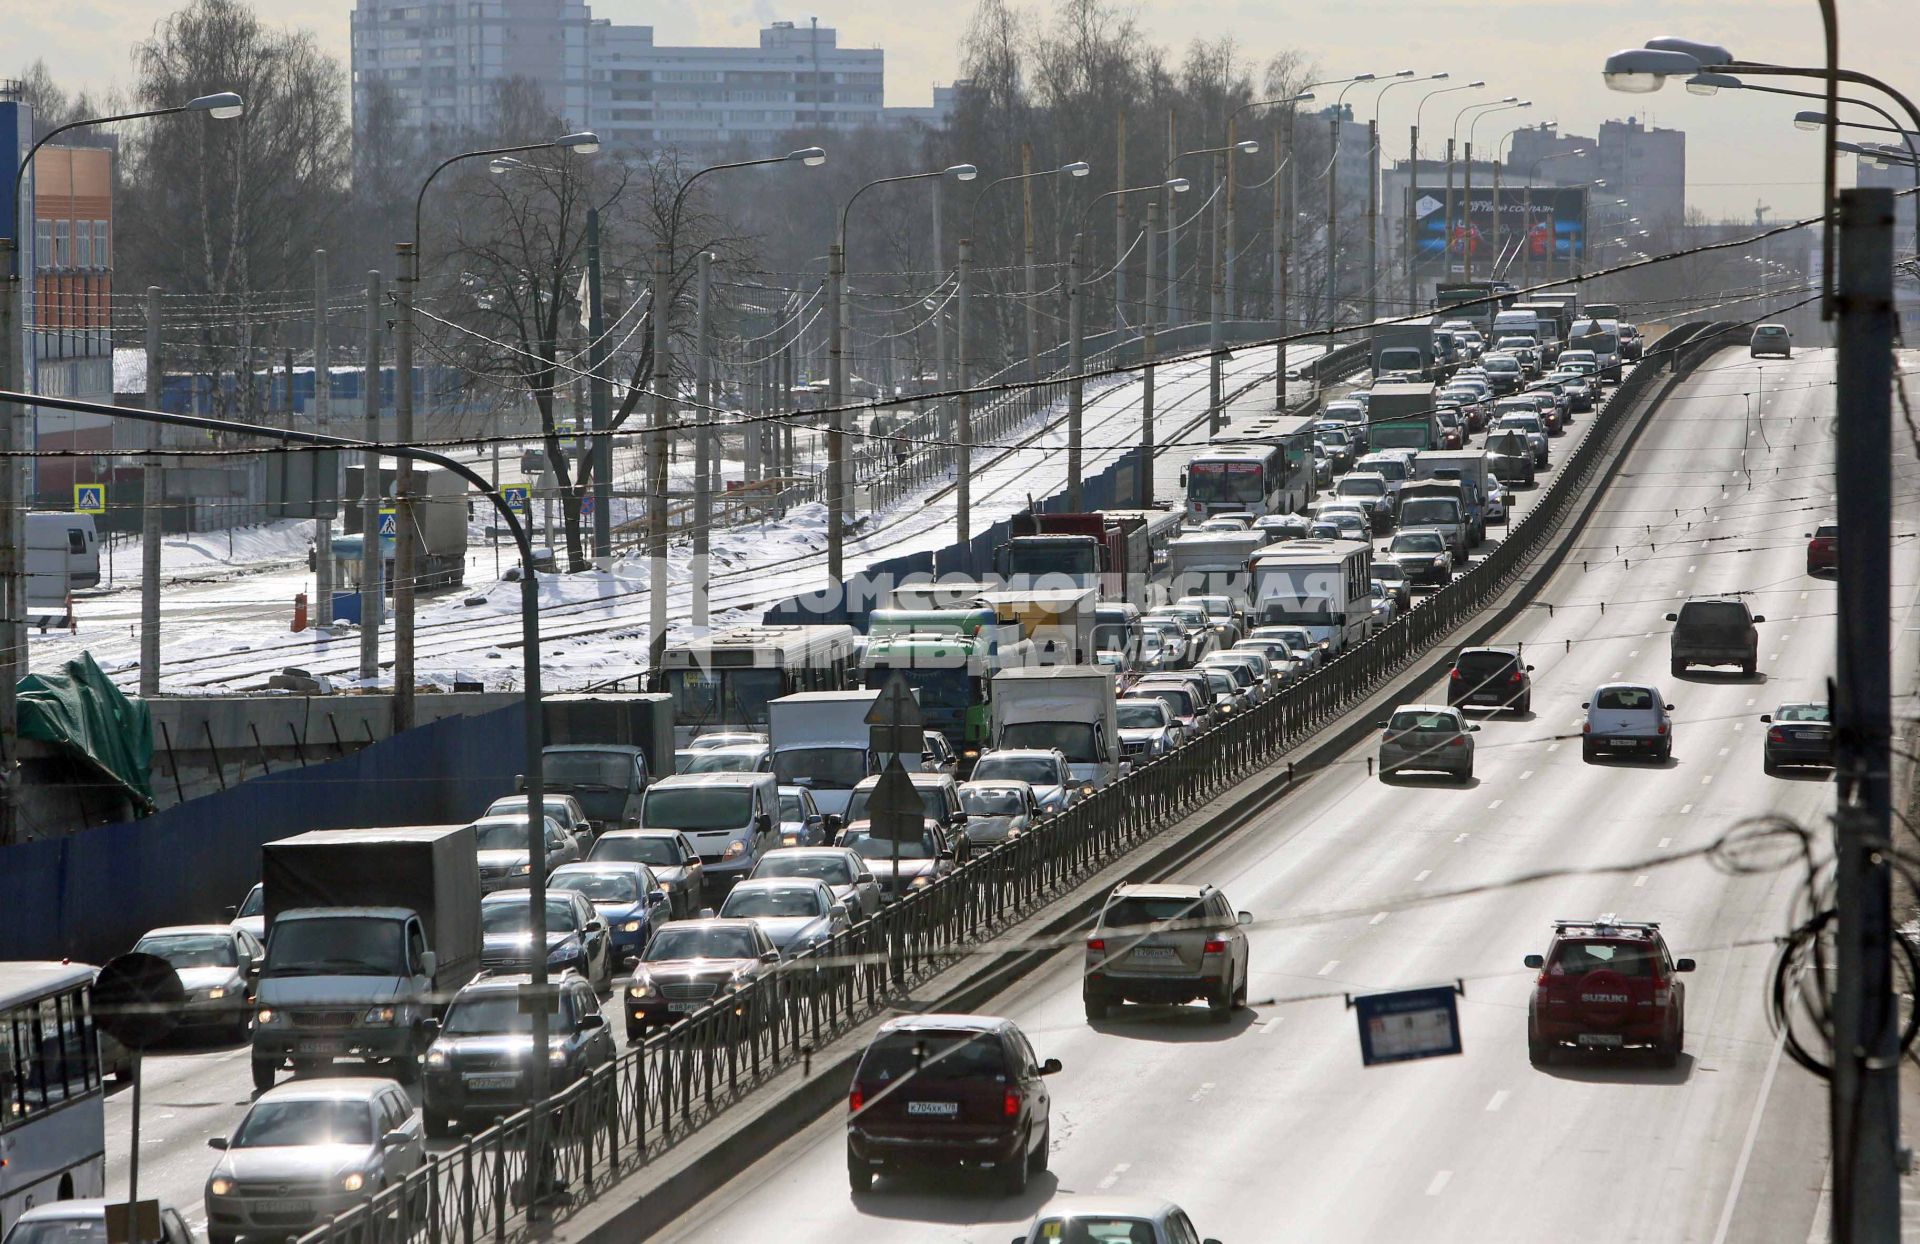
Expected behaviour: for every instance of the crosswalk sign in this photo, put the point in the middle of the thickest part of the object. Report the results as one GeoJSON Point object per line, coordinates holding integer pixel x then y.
{"type": "Point", "coordinates": [389, 524]}
{"type": "Point", "coordinates": [516, 496]}
{"type": "Point", "coordinates": [89, 498]}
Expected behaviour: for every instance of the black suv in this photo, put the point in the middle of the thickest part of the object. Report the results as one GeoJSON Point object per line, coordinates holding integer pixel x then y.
{"type": "Point", "coordinates": [1715, 632]}
{"type": "Point", "coordinates": [1493, 678]}
{"type": "Point", "coordinates": [482, 1048]}
{"type": "Point", "coordinates": [949, 1091]}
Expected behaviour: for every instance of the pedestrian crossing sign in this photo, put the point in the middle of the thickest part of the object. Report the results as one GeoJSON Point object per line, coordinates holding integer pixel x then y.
{"type": "Point", "coordinates": [389, 524]}
{"type": "Point", "coordinates": [516, 497]}
{"type": "Point", "coordinates": [89, 498]}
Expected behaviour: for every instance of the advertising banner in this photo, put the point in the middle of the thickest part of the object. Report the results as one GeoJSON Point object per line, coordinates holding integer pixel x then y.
{"type": "Point", "coordinates": [1549, 221]}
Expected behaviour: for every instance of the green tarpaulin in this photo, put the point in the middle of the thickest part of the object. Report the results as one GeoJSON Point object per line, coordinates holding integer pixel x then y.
{"type": "Point", "coordinates": [80, 709]}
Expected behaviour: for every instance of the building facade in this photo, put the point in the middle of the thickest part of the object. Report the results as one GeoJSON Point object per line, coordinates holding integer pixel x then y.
{"type": "Point", "coordinates": [70, 320]}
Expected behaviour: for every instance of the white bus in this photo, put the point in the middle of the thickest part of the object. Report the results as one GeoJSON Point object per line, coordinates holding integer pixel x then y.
{"type": "Point", "coordinates": [53, 1129]}
{"type": "Point", "coordinates": [1264, 467]}
{"type": "Point", "coordinates": [1323, 585]}
{"type": "Point", "coordinates": [724, 680]}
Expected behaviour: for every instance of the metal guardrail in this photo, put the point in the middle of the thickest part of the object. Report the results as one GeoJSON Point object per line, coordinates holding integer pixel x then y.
{"type": "Point", "coordinates": [571, 1148]}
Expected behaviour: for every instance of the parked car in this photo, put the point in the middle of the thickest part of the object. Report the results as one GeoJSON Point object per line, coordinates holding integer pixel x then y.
{"type": "Point", "coordinates": [1167, 943]}
{"type": "Point", "coordinates": [1607, 985]}
{"type": "Point", "coordinates": [949, 1091]}
{"type": "Point", "coordinates": [483, 1045]}
{"type": "Point", "coordinates": [1629, 718]}
{"type": "Point", "coordinates": [1435, 737]}
{"type": "Point", "coordinates": [1797, 734]}
{"type": "Point", "coordinates": [625, 896]}
{"type": "Point", "coordinates": [668, 854]}
{"type": "Point", "coordinates": [217, 965]}
{"type": "Point", "coordinates": [840, 868]}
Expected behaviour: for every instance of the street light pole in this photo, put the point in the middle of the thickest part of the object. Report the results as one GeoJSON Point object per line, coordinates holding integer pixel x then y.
{"type": "Point", "coordinates": [1484, 110]}
{"type": "Point", "coordinates": [1413, 179]}
{"type": "Point", "coordinates": [222, 106]}
{"type": "Point", "coordinates": [1376, 278]}
{"type": "Point", "coordinates": [1333, 189]}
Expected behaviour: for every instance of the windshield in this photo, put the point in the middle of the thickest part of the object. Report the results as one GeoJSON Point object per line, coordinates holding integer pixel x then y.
{"type": "Point", "coordinates": [517, 917]}
{"type": "Point", "coordinates": [776, 902]}
{"type": "Point", "coordinates": [1625, 699]}
{"type": "Point", "coordinates": [791, 806]}
{"type": "Point", "coordinates": [714, 760]}
{"type": "Point", "coordinates": [830, 868]}
{"type": "Point", "coordinates": [925, 847]}
{"type": "Point", "coordinates": [1802, 712]}
{"type": "Point", "coordinates": [502, 835]}
{"type": "Point", "coordinates": [1033, 770]}
{"type": "Point", "coordinates": [1178, 702]}
{"type": "Point", "coordinates": [1352, 487]}
{"type": "Point", "coordinates": [305, 1123]}
{"type": "Point", "coordinates": [696, 808]}
{"type": "Point", "coordinates": [1239, 482]}
{"type": "Point", "coordinates": [1052, 556]}
{"type": "Point", "coordinates": [199, 950]}
{"type": "Point", "coordinates": [1418, 542]}
{"type": "Point", "coordinates": [722, 697]}
{"type": "Point", "coordinates": [336, 946]}
{"type": "Point", "coordinates": [822, 768]}
{"type": "Point", "coordinates": [709, 942]}
{"type": "Point", "coordinates": [989, 801]}
{"type": "Point", "coordinates": [1113, 637]}
{"type": "Point", "coordinates": [1221, 682]}
{"type": "Point", "coordinates": [485, 1014]}
{"type": "Point", "coordinates": [636, 851]}
{"type": "Point", "coordinates": [933, 1055]}
{"type": "Point", "coordinates": [1429, 510]}
{"type": "Point", "coordinates": [939, 686]}
{"type": "Point", "coordinates": [607, 887]}
{"type": "Point", "coordinates": [1141, 715]}
{"type": "Point", "coordinates": [1075, 738]}
{"type": "Point", "coordinates": [609, 769]}
{"type": "Point", "coordinates": [255, 904]}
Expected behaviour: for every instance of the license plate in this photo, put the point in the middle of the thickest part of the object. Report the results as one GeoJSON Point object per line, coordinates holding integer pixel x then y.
{"type": "Point", "coordinates": [1626, 744]}
{"type": "Point", "coordinates": [1609, 1040]}
{"type": "Point", "coordinates": [684, 1008]}
{"type": "Point", "coordinates": [322, 1046]}
{"type": "Point", "coordinates": [939, 1109]}
{"type": "Point", "coordinates": [491, 1083]}
{"type": "Point", "coordinates": [282, 1208]}
{"type": "Point", "coordinates": [1155, 954]}
{"type": "Point", "coordinates": [1806, 734]}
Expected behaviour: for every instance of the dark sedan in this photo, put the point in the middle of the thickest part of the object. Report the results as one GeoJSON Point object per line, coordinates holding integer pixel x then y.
{"type": "Point", "coordinates": [1797, 734]}
{"type": "Point", "coordinates": [905, 866]}
{"type": "Point", "coordinates": [482, 1048]}
{"type": "Point", "coordinates": [690, 965]}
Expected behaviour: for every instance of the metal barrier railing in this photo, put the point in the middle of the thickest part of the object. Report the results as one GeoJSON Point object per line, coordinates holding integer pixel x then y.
{"type": "Point", "coordinates": [570, 1148]}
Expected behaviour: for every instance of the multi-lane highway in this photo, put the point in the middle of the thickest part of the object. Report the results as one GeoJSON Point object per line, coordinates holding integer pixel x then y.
{"type": "Point", "coordinates": [1270, 1129]}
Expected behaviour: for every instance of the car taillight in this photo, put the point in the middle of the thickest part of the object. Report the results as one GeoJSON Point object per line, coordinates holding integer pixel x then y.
{"type": "Point", "coordinates": [1457, 740]}
{"type": "Point", "coordinates": [1455, 676]}
{"type": "Point", "coordinates": [1516, 676]}
{"type": "Point", "coordinates": [1214, 946]}
{"type": "Point", "coordinates": [1662, 727]}
{"type": "Point", "coordinates": [1776, 735]}
{"type": "Point", "coordinates": [856, 1099]}
{"type": "Point", "coordinates": [1587, 728]}
{"type": "Point", "coordinates": [1010, 1106]}
{"type": "Point", "coordinates": [1096, 943]}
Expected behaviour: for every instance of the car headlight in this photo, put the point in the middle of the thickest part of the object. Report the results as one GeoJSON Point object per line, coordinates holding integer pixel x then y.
{"type": "Point", "coordinates": [565, 950]}
{"type": "Point", "coordinates": [641, 987]}
{"type": "Point", "coordinates": [353, 1181]}
{"type": "Point", "coordinates": [378, 1015]}
{"type": "Point", "coordinates": [632, 926]}
{"type": "Point", "coordinates": [971, 754]}
{"type": "Point", "coordinates": [736, 848]}
{"type": "Point", "coordinates": [920, 883]}
{"type": "Point", "coordinates": [665, 884]}
{"type": "Point", "coordinates": [789, 838]}
{"type": "Point", "coordinates": [436, 1059]}
{"type": "Point", "coordinates": [1087, 788]}
{"type": "Point", "coordinates": [266, 1015]}
{"type": "Point", "coordinates": [220, 1185]}
{"type": "Point", "coordinates": [217, 993]}
{"type": "Point", "coordinates": [557, 1056]}
{"type": "Point", "coordinates": [522, 870]}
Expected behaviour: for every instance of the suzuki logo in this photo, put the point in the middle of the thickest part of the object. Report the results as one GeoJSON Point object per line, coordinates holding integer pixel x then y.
{"type": "Point", "coordinates": [1604, 997]}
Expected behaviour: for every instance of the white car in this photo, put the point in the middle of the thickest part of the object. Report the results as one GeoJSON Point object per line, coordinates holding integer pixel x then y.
{"type": "Point", "coordinates": [726, 738]}
{"type": "Point", "coordinates": [1494, 508]}
{"type": "Point", "coordinates": [1629, 719]}
{"type": "Point", "coordinates": [1110, 1220]}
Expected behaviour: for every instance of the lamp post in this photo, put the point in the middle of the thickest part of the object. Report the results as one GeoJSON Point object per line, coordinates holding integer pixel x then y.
{"type": "Point", "coordinates": [1502, 106]}
{"type": "Point", "coordinates": [1173, 224]}
{"type": "Point", "coordinates": [656, 442]}
{"type": "Point", "coordinates": [1373, 195]}
{"type": "Point", "coordinates": [1413, 177]}
{"type": "Point", "coordinates": [1233, 123]}
{"type": "Point", "coordinates": [837, 496]}
{"type": "Point", "coordinates": [1499, 165]}
{"type": "Point", "coordinates": [1248, 147]}
{"type": "Point", "coordinates": [1333, 185]}
{"type": "Point", "coordinates": [1466, 214]}
{"type": "Point", "coordinates": [963, 421]}
{"type": "Point", "coordinates": [221, 106]}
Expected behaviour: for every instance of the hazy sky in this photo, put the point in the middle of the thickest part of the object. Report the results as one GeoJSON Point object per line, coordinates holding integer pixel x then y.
{"type": "Point", "coordinates": [1742, 150]}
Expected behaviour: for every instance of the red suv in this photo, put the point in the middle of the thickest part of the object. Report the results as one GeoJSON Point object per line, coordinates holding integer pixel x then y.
{"type": "Point", "coordinates": [1823, 549]}
{"type": "Point", "coordinates": [1607, 985]}
{"type": "Point", "coordinates": [949, 1091]}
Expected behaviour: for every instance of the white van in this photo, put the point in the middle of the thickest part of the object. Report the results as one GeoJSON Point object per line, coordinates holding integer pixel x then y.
{"type": "Point", "coordinates": [1603, 338]}
{"type": "Point", "coordinates": [63, 553]}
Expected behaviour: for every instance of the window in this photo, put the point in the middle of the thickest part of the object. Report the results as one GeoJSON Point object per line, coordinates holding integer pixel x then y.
{"type": "Point", "coordinates": [47, 1056]}
{"type": "Point", "coordinates": [82, 244]}
{"type": "Point", "coordinates": [62, 243]}
{"type": "Point", "coordinates": [102, 252]}
{"type": "Point", "coordinates": [43, 244]}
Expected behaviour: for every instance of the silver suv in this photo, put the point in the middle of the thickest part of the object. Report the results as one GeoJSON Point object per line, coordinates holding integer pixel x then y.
{"type": "Point", "coordinates": [1167, 944]}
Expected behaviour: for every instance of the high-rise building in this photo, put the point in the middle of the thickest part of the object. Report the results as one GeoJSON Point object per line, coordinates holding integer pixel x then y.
{"type": "Point", "coordinates": [445, 62]}
{"type": "Point", "coordinates": [1646, 166]}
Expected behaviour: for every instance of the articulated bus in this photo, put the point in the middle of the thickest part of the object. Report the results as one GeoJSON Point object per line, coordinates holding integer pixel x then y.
{"type": "Point", "coordinates": [1265, 467]}
{"type": "Point", "coordinates": [723, 681]}
{"type": "Point", "coordinates": [53, 1129]}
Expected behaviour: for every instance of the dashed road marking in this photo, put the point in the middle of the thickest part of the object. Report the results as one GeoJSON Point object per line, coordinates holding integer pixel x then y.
{"type": "Point", "coordinates": [1271, 1026]}
{"type": "Point", "coordinates": [1496, 803]}
{"type": "Point", "coordinates": [1524, 776]}
{"type": "Point", "coordinates": [1707, 780]}
{"type": "Point", "coordinates": [1803, 596]}
{"type": "Point", "coordinates": [1685, 808]}
{"type": "Point", "coordinates": [1424, 874]}
{"type": "Point", "coordinates": [1439, 1183]}
{"type": "Point", "coordinates": [1749, 701]}
{"type": "Point", "coordinates": [1328, 967]}
{"type": "Point", "coordinates": [1113, 1176]}
{"type": "Point", "coordinates": [1553, 747]}
{"type": "Point", "coordinates": [1202, 1091]}
{"type": "Point", "coordinates": [1460, 839]}
{"type": "Point", "coordinates": [1664, 844]}
{"type": "Point", "coordinates": [1640, 881]}
{"type": "Point", "coordinates": [1378, 916]}
{"type": "Point", "coordinates": [1725, 750]}
{"type": "Point", "coordinates": [1773, 656]}
{"type": "Point", "coordinates": [1634, 653]}
{"type": "Point", "coordinates": [1738, 724]}
{"type": "Point", "coordinates": [1498, 1100]}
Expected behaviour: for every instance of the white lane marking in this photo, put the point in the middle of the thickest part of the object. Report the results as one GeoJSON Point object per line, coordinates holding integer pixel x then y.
{"type": "Point", "coordinates": [1664, 844]}
{"type": "Point", "coordinates": [1741, 724]}
{"type": "Point", "coordinates": [1113, 1177]}
{"type": "Point", "coordinates": [1691, 569]}
{"type": "Point", "coordinates": [1271, 1026]}
{"type": "Point", "coordinates": [1553, 747]}
{"type": "Point", "coordinates": [1725, 750]}
{"type": "Point", "coordinates": [1498, 1100]}
{"type": "Point", "coordinates": [1707, 780]}
{"type": "Point", "coordinates": [1784, 639]}
{"type": "Point", "coordinates": [1749, 701]}
{"type": "Point", "coordinates": [1685, 808]}
{"type": "Point", "coordinates": [1753, 1134]}
{"type": "Point", "coordinates": [1330, 965]}
{"type": "Point", "coordinates": [1202, 1091]}
{"type": "Point", "coordinates": [1773, 656]}
{"type": "Point", "coordinates": [1526, 775]}
{"type": "Point", "coordinates": [1616, 673]}
{"type": "Point", "coordinates": [1640, 881]}
{"type": "Point", "coordinates": [1634, 653]}
{"type": "Point", "coordinates": [1803, 596]}
{"type": "Point", "coordinates": [1462, 838]}
{"type": "Point", "coordinates": [1439, 1183]}
{"type": "Point", "coordinates": [1496, 803]}
{"type": "Point", "coordinates": [1378, 917]}
{"type": "Point", "coordinates": [1424, 874]}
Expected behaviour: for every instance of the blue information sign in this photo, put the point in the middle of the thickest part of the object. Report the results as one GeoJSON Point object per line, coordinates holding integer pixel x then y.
{"type": "Point", "coordinates": [1407, 1024]}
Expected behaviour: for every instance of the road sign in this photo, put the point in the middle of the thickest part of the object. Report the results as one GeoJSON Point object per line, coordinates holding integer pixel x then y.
{"type": "Point", "coordinates": [1408, 1024]}
{"type": "Point", "coordinates": [895, 809]}
{"type": "Point", "coordinates": [516, 497]}
{"type": "Point", "coordinates": [894, 724]}
{"type": "Point", "coordinates": [137, 999]}
{"type": "Point", "coordinates": [586, 505]}
{"type": "Point", "coordinates": [389, 525]}
{"type": "Point", "coordinates": [89, 498]}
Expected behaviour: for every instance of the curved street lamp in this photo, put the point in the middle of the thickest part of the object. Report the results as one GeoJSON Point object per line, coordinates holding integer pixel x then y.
{"type": "Point", "coordinates": [1413, 178]}
{"type": "Point", "coordinates": [1505, 105]}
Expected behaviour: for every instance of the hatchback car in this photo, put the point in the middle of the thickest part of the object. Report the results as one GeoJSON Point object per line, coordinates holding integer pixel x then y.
{"type": "Point", "coordinates": [624, 895]}
{"type": "Point", "coordinates": [949, 1091]}
{"type": "Point", "coordinates": [1607, 985]}
{"type": "Point", "coordinates": [1629, 719]}
{"type": "Point", "coordinates": [309, 1150]}
{"type": "Point", "coordinates": [1427, 736]}
{"type": "Point", "coordinates": [1797, 734]}
{"type": "Point", "coordinates": [1715, 632]}
{"type": "Point", "coordinates": [1111, 1220]}
{"type": "Point", "coordinates": [1494, 678]}
{"type": "Point", "coordinates": [1823, 549]}
{"type": "Point", "coordinates": [690, 965]}
{"type": "Point", "coordinates": [796, 913]}
{"type": "Point", "coordinates": [1770, 339]}
{"type": "Point", "coordinates": [841, 869]}
{"type": "Point", "coordinates": [802, 823]}
{"type": "Point", "coordinates": [483, 1045]}
{"type": "Point", "coordinates": [668, 853]}
{"type": "Point", "coordinates": [907, 865]}
{"type": "Point", "coordinates": [1167, 944]}
{"type": "Point", "coordinates": [217, 965]}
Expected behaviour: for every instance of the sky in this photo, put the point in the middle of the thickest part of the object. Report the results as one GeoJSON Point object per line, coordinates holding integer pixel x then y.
{"type": "Point", "coordinates": [1742, 151]}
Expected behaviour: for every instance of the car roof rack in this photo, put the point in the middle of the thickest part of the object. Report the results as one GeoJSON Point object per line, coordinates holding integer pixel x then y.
{"type": "Point", "coordinates": [1607, 923]}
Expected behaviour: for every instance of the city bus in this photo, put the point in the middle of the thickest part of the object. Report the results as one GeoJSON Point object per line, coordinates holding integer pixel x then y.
{"type": "Point", "coordinates": [724, 680]}
{"type": "Point", "coordinates": [53, 1128]}
{"type": "Point", "coordinates": [1263, 468]}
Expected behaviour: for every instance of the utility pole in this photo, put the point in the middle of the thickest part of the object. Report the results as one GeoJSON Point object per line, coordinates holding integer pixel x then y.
{"type": "Point", "coordinates": [1282, 252]}
{"type": "Point", "coordinates": [708, 452]}
{"type": "Point", "coordinates": [600, 401]}
{"type": "Point", "coordinates": [656, 454]}
{"type": "Point", "coordinates": [1466, 210]}
{"type": "Point", "coordinates": [941, 368]}
{"type": "Point", "coordinates": [836, 395]}
{"type": "Point", "coordinates": [1076, 344]}
{"type": "Point", "coordinates": [1224, 261]}
{"type": "Point", "coordinates": [1215, 389]}
{"type": "Point", "coordinates": [403, 529]}
{"type": "Point", "coordinates": [1120, 228]}
{"type": "Point", "coordinates": [1148, 345]}
{"type": "Point", "coordinates": [1333, 215]}
{"type": "Point", "coordinates": [963, 425]}
{"type": "Point", "coordinates": [14, 662]}
{"type": "Point", "coordinates": [323, 424]}
{"type": "Point", "coordinates": [1373, 219]}
{"type": "Point", "coordinates": [1865, 1106]}
{"type": "Point", "coordinates": [152, 498]}
{"type": "Point", "coordinates": [1493, 266]}
{"type": "Point", "coordinates": [1173, 246]}
{"type": "Point", "coordinates": [1407, 221]}
{"type": "Point", "coordinates": [373, 596]}
{"type": "Point", "coordinates": [1033, 297]}
{"type": "Point", "coordinates": [1446, 231]}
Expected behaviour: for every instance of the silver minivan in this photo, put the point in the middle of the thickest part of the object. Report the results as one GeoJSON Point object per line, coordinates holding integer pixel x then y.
{"type": "Point", "coordinates": [732, 819]}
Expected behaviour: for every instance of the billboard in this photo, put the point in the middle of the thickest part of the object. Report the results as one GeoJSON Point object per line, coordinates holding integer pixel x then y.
{"type": "Point", "coordinates": [1548, 221]}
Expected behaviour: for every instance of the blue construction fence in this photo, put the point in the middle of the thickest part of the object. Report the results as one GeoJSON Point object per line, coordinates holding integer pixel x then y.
{"type": "Point", "coordinates": [90, 895]}
{"type": "Point", "coordinates": [192, 393]}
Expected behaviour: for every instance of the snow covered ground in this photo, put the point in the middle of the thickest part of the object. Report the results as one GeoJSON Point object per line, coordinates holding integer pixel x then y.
{"type": "Point", "coordinates": [227, 636]}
